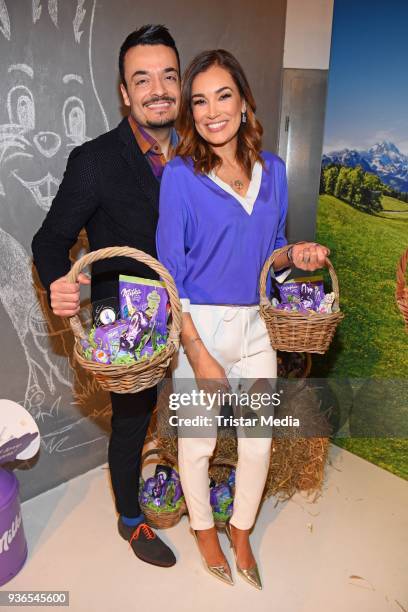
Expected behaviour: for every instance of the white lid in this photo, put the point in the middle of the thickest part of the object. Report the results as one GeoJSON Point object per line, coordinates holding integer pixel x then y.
{"type": "Point", "coordinates": [19, 434]}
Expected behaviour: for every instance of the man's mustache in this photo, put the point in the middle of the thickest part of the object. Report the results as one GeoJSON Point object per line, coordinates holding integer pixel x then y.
{"type": "Point", "coordinates": [159, 99]}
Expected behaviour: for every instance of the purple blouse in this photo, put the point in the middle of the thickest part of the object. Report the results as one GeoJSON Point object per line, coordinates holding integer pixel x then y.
{"type": "Point", "coordinates": [211, 246]}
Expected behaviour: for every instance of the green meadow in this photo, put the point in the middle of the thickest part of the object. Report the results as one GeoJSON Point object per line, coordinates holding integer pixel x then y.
{"type": "Point", "coordinates": [394, 209]}
{"type": "Point", "coordinates": [371, 341]}
{"type": "Point", "coordinates": [393, 204]}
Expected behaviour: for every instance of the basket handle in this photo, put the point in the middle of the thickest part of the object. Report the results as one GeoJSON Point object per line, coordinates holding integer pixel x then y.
{"type": "Point", "coordinates": [158, 451]}
{"type": "Point", "coordinates": [167, 455]}
{"type": "Point", "coordinates": [401, 270]}
{"type": "Point", "coordinates": [268, 264]}
{"type": "Point", "coordinates": [108, 253]}
{"type": "Point", "coordinates": [222, 461]}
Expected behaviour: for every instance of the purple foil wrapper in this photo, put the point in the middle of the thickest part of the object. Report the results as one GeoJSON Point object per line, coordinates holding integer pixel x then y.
{"type": "Point", "coordinates": [174, 475]}
{"type": "Point", "coordinates": [311, 293]}
{"type": "Point", "coordinates": [301, 294]}
{"type": "Point", "coordinates": [289, 307]}
{"type": "Point", "coordinates": [289, 292]}
{"type": "Point", "coordinates": [137, 325]}
{"type": "Point", "coordinates": [108, 337]}
{"type": "Point", "coordinates": [149, 485]}
{"type": "Point", "coordinates": [178, 492]}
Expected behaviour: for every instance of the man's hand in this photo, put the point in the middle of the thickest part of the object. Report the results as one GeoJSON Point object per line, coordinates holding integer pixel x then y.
{"type": "Point", "coordinates": [65, 296]}
{"type": "Point", "coordinates": [309, 255]}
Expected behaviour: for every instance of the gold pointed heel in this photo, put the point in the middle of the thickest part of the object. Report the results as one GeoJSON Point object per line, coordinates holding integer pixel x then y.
{"type": "Point", "coordinates": [219, 571]}
{"type": "Point", "coordinates": [251, 575]}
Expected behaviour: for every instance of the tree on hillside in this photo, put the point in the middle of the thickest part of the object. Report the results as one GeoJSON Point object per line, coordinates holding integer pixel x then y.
{"type": "Point", "coordinates": [353, 185]}
{"type": "Point", "coordinates": [330, 175]}
{"type": "Point", "coordinates": [371, 191]}
{"type": "Point", "coordinates": [355, 179]}
{"type": "Point", "coordinates": [341, 188]}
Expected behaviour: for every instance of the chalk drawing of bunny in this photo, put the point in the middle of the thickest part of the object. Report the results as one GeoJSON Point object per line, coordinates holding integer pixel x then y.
{"type": "Point", "coordinates": [48, 105]}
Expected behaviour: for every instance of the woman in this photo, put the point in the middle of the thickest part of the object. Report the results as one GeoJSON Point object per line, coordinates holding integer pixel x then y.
{"type": "Point", "coordinates": [223, 207]}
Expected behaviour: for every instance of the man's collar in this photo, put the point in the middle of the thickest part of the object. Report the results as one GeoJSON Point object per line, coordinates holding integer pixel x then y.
{"type": "Point", "coordinates": [145, 141]}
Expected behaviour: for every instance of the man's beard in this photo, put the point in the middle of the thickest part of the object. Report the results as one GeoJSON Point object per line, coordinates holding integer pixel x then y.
{"type": "Point", "coordinates": [165, 123]}
{"type": "Point", "coordinates": [161, 123]}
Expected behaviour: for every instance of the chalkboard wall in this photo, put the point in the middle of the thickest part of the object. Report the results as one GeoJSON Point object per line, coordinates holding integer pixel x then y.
{"type": "Point", "coordinates": [59, 88]}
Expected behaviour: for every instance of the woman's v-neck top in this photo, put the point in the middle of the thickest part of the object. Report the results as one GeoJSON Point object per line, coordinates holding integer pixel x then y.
{"type": "Point", "coordinates": [247, 200]}
{"type": "Point", "coordinates": [214, 242]}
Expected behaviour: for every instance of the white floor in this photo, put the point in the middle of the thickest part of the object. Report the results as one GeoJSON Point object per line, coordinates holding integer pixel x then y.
{"type": "Point", "coordinates": [346, 552]}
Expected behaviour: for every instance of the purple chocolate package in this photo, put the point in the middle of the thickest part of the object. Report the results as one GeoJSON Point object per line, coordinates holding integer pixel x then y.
{"type": "Point", "coordinates": [108, 338]}
{"type": "Point", "coordinates": [289, 292]}
{"type": "Point", "coordinates": [311, 291]}
{"type": "Point", "coordinates": [145, 303]}
{"type": "Point", "coordinates": [306, 292]}
{"type": "Point", "coordinates": [138, 324]}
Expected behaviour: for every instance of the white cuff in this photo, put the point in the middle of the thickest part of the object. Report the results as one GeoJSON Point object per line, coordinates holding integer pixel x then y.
{"type": "Point", "coordinates": [283, 275]}
{"type": "Point", "coordinates": [185, 304]}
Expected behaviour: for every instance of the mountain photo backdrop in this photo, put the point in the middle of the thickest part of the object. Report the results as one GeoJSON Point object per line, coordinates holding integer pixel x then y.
{"type": "Point", "coordinates": [363, 207]}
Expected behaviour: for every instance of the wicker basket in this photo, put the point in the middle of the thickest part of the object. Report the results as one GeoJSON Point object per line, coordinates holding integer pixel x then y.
{"type": "Point", "coordinates": [293, 331]}
{"type": "Point", "coordinates": [401, 292]}
{"type": "Point", "coordinates": [162, 519]}
{"type": "Point", "coordinates": [147, 373]}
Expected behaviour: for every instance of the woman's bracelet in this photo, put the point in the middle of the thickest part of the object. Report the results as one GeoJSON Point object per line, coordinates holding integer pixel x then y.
{"type": "Point", "coordinates": [289, 254]}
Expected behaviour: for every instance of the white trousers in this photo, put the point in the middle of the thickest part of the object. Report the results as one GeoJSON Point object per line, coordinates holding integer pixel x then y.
{"type": "Point", "coordinates": [237, 337]}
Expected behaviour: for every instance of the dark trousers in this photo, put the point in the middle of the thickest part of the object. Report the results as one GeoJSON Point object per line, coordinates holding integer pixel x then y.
{"type": "Point", "coordinates": [131, 413]}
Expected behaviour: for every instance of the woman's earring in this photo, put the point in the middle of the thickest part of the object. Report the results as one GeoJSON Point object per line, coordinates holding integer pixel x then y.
{"type": "Point", "coordinates": [243, 117]}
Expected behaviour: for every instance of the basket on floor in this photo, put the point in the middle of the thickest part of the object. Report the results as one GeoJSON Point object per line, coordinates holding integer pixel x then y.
{"type": "Point", "coordinates": [158, 517]}
{"type": "Point", "coordinates": [294, 331]}
{"type": "Point", "coordinates": [135, 377]}
{"type": "Point", "coordinates": [401, 292]}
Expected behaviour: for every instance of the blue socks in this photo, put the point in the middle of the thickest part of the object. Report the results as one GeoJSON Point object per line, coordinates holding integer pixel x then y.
{"type": "Point", "coordinates": [132, 522]}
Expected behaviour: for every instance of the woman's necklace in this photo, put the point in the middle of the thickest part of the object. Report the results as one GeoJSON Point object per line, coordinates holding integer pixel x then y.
{"type": "Point", "coordinates": [237, 184]}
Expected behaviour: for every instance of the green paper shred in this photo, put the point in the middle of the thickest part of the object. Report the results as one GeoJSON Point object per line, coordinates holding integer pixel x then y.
{"type": "Point", "coordinates": [91, 336]}
{"type": "Point", "coordinates": [128, 359]}
{"type": "Point", "coordinates": [221, 516]}
{"type": "Point", "coordinates": [166, 507]}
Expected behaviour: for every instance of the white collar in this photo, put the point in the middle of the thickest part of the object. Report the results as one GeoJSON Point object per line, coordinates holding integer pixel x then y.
{"type": "Point", "coordinates": [247, 201]}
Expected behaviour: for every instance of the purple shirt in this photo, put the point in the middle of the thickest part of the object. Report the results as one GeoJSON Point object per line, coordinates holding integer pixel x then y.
{"type": "Point", "coordinates": [212, 247]}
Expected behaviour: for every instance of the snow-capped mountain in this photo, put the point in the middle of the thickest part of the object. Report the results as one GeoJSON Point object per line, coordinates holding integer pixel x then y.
{"type": "Point", "coordinates": [383, 159]}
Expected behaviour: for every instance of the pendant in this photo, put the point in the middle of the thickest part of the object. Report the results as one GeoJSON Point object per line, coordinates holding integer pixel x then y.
{"type": "Point", "coordinates": [238, 184]}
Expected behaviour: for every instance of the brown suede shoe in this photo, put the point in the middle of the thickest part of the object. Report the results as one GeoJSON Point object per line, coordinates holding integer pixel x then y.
{"type": "Point", "coordinates": [146, 545]}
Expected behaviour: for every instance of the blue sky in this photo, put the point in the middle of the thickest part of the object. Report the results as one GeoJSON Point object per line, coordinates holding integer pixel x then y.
{"type": "Point", "coordinates": [367, 98]}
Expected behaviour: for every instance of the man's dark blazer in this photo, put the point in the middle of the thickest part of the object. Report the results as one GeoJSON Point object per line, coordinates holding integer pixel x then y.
{"type": "Point", "coordinates": [108, 188]}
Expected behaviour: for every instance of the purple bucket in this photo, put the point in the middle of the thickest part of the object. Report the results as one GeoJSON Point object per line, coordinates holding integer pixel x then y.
{"type": "Point", "coordinates": [13, 545]}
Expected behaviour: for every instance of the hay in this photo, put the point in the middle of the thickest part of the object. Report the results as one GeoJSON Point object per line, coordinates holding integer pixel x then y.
{"type": "Point", "coordinates": [298, 456]}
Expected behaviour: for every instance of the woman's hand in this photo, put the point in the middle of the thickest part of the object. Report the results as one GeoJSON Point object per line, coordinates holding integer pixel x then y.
{"type": "Point", "coordinates": [209, 373]}
{"type": "Point", "coordinates": [309, 255]}
{"type": "Point", "coordinates": [209, 368]}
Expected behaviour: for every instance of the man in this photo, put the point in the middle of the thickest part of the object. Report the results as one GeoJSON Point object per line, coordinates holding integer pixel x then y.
{"type": "Point", "coordinates": [111, 187]}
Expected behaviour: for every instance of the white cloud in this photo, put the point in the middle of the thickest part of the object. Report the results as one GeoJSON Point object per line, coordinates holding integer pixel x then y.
{"type": "Point", "coordinates": [365, 143]}
{"type": "Point", "coordinates": [339, 145]}
{"type": "Point", "coordinates": [402, 145]}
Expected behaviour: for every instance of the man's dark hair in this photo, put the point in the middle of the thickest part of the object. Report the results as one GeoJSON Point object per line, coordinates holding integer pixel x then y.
{"type": "Point", "coordinates": [146, 35]}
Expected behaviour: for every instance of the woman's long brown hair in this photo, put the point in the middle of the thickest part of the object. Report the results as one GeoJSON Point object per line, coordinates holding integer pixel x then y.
{"type": "Point", "coordinates": [191, 144]}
